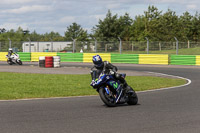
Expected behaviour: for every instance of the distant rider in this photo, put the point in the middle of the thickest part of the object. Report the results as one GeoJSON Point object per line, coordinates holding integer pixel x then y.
{"type": "Point", "coordinates": [105, 66]}
{"type": "Point", "coordinates": [10, 52]}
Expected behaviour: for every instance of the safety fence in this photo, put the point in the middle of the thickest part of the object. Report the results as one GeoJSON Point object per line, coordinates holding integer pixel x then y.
{"type": "Point", "coordinates": [102, 46]}
{"type": "Point", "coordinates": [161, 59]}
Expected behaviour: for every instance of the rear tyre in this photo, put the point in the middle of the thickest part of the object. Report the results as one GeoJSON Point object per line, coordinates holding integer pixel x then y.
{"type": "Point", "coordinates": [132, 97]}
{"type": "Point", "coordinates": [109, 100]}
{"type": "Point", "coordinates": [9, 62]}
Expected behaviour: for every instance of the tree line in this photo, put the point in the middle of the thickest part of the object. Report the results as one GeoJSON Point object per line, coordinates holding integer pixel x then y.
{"type": "Point", "coordinates": [154, 24]}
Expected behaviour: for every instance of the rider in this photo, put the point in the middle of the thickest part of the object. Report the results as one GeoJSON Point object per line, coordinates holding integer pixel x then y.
{"type": "Point", "coordinates": [105, 66]}
{"type": "Point", "coordinates": [10, 52]}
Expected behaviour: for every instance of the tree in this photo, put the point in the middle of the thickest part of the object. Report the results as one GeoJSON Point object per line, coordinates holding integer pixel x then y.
{"type": "Point", "coordinates": [195, 28]}
{"type": "Point", "coordinates": [52, 36]}
{"type": "Point", "coordinates": [186, 26]}
{"type": "Point", "coordinates": [138, 29]}
{"type": "Point", "coordinates": [125, 23]}
{"type": "Point", "coordinates": [152, 27]}
{"type": "Point", "coordinates": [107, 29]}
{"type": "Point", "coordinates": [169, 26]}
{"type": "Point", "coordinates": [76, 32]}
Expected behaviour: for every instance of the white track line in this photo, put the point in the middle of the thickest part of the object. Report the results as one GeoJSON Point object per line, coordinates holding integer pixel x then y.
{"type": "Point", "coordinates": [188, 82]}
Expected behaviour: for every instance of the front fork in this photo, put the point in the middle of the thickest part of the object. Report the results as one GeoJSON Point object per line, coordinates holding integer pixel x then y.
{"type": "Point", "coordinates": [118, 94]}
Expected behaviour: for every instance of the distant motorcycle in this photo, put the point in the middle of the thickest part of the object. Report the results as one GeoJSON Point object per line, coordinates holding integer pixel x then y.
{"type": "Point", "coordinates": [111, 91]}
{"type": "Point", "coordinates": [13, 59]}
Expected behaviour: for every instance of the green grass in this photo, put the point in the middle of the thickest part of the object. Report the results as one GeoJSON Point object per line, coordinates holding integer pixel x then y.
{"type": "Point", "coordinates": [23, 85]}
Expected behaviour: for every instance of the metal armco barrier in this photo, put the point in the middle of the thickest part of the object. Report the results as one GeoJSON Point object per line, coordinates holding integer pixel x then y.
{"type": "Point", "coordinates": [160, 59]}
{"type": "Point", "coordinates": [183, 60]}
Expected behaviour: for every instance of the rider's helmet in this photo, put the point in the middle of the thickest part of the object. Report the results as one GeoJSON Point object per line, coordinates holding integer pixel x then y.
{"type": "Point", "coordinates": [10, 50]}
{"type": "Point", "coordinates": [97, 60]}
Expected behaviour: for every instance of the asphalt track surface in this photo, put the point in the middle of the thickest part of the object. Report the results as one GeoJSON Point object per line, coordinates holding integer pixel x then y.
{"type": "Point", "coordinates": [174, 110]}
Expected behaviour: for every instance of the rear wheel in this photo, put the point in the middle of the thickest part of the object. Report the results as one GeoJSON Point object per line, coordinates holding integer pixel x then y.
{"type": "Point", "coordinates": [108, 99]}
{"type": "Point", "coordinates": [132, 97]}
{"type": "Point", "coordinates": [9, 62]}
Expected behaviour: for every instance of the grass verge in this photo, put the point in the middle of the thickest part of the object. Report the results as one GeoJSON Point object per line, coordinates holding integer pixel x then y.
{"type": "Point", "coordinates": [23, 85]}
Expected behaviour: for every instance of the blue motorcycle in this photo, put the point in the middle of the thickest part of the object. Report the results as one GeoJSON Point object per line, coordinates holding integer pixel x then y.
{"type": "Point", "coordinates": [112, 91]}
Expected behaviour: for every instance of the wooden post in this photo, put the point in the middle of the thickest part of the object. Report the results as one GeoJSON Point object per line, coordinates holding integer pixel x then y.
{"type": "Point", "coordinates": [160, 46]}
{"type": "Point", "coordinates": [188, 44]}
{"type": "Point", "coordinates": [132, 47]}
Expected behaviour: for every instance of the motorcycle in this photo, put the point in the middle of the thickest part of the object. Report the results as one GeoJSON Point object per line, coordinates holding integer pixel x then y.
{"type": "Point", "coordinates": [112, 91]}
{"type": "Point", "coordinates": [13, 59]}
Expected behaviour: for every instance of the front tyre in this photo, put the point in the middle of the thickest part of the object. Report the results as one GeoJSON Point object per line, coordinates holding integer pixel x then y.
{"type": "Point", "coordinates": [19, 62]}
{"type": "Point", "coordinates": [108, 99]}
{"type": "Point", "coordinates": [132, 97]}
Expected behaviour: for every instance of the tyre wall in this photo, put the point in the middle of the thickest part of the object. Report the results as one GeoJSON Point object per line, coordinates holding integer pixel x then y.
{"type": "Point", "coordinates": [48, 61]}
{"type": "Point", "coordinates": [35, 55]}
{"type": "Point", "coordinates": [56, 61]}
{"type": "Point", "coordinates": [42, 61]}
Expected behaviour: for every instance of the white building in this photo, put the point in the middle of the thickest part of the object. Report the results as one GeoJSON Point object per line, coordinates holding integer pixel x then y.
{"type": "Point", "coordinates": [45, 46]}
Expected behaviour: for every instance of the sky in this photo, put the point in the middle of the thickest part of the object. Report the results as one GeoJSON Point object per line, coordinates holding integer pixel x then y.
{"type": "Point", "coordinates": [45, 16]}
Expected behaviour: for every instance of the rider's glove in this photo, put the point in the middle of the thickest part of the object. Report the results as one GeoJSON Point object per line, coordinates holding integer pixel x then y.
{"type": "Point", "coordinates": [92, 83]}
{"type": "Point", "coordinates": [112, 72]}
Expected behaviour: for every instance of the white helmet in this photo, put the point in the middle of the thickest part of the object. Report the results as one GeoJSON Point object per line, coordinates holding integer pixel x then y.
{"type": "Point", "coordinates": [10, 49]}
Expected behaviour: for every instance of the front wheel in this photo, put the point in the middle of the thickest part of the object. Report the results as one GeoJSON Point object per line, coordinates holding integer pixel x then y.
{"type": "Point", "coordinates": [132, 97]}
{"type": "Point", "coordinates": [108, 99]}
{"type": "Point", "coordinates": [19, 62]}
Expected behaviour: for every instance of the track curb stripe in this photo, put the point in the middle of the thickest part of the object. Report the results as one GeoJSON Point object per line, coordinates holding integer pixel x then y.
{"type": "Point", "coordinates": [167, 88]}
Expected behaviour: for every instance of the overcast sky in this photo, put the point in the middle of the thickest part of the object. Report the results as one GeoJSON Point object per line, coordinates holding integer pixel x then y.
{"type": "Point", "coordinates": [56, 15]}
